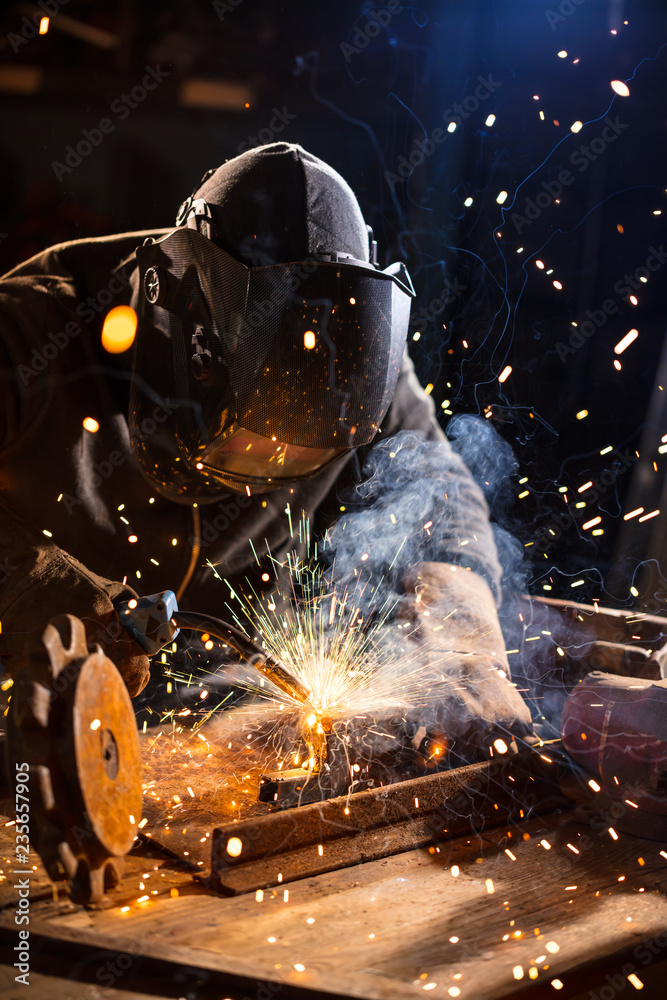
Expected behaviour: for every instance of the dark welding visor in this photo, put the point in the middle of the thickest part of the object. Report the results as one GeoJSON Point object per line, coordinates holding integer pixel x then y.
{"type": "Point", "coordinates": [265, 374]}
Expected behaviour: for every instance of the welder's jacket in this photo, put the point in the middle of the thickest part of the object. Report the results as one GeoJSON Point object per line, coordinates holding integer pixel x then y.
{"type": "Point", "coordinates": [72, 501]}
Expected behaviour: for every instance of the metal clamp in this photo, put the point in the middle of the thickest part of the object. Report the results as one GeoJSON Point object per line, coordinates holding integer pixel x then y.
{"type": "Point", "coordinates": [148, 620]}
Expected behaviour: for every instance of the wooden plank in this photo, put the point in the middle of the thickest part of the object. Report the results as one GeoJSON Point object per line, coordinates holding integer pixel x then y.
{"type": "Point", "coordinates": [376, 929]}
{"type": "Point", "coordinates": [49, 985]}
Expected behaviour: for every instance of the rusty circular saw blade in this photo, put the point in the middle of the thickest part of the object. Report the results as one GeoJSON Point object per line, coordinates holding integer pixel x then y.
{"type": "Point", "coordinates": [84, 779]}
{"type": "Point", "coordinates": [107, 754]}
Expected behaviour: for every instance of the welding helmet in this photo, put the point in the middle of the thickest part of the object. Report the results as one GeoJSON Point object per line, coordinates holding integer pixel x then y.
{"type": "Point", "coordinates": [269, 344]}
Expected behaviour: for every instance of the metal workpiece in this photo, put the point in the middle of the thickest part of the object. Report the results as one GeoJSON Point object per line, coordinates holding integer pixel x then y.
{"type": "Point", "coordinates": [368, 750]}
{"type": "Point", "coordinates": [71, 727]}
{"type": "Point", "coordinates": [350, 829]}
{"type": "Point", "coordinates": [295, 786]}
{"type": "Point", "coordinates": [315, 732]}
{"type": "Point", "coordinates": [356, 753]}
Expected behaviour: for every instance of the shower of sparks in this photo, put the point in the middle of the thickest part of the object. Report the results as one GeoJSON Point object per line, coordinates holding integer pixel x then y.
{"type": "Point", "coordinates": [330, 636]}
{"type": "Point", "coordinates": [359, 663]}
{"type": "Point", "coordinates": [322, 637]}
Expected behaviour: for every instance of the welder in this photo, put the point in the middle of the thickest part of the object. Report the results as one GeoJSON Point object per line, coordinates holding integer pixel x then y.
{"type": "Point", "coordinates": [269, 358]}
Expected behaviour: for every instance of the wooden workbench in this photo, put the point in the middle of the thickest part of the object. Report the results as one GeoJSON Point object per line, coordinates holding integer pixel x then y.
{"type": "Point", "coordinates": [523, 911]}
{"type": "Point", "coordinates": [515, 912]}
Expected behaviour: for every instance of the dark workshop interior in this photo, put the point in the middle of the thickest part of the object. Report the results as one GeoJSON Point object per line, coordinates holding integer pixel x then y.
{"type": "Point", "coordinates": [312, 745]}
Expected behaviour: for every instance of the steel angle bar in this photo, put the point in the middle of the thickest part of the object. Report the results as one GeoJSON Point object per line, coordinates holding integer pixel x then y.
{"type": "Point", "coordinates": [363, 826]}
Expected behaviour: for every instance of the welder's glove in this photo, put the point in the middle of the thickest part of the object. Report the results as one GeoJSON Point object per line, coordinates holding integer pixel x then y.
{"type": "Point", "coordinates": [470, 700]}
{"type": "Point", "coordinates": [657, 664]}
{"type": "Point", "coordinates": [45, 581]}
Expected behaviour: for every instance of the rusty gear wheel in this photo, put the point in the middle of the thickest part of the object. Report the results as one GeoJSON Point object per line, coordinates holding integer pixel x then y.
{"type": "Point", "coordinates": [71, 721]}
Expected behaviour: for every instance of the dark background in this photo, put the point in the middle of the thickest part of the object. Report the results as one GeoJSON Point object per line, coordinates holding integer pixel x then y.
{"type": "Point", "coordinates": [365, 111]}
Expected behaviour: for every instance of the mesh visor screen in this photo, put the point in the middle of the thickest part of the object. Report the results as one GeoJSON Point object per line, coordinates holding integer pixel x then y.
{"type": "Point", "coordinates": [306, 353]}
{"type": "Point", "coordinates": [319, 367]}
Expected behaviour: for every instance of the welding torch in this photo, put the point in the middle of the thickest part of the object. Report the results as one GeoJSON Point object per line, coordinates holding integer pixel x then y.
{"type": "Point", "coordinates": [155, 621]}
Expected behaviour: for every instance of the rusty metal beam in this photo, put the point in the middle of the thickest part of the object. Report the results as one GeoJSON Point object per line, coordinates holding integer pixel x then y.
{"type": "Point", "coordinates": [363, 826]}
{"type": "Point", "coordinates": [608, 624]}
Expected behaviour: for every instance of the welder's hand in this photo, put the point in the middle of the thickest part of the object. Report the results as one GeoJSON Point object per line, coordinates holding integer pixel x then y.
{"type": "Point", "coordinates": [130, 659]}
{"type": "Point", "coordinates": [454, 621]}
{"type": "Point", "coordinates": [50, 582]}
{"type": "Point", "coordinates": [656, 665]}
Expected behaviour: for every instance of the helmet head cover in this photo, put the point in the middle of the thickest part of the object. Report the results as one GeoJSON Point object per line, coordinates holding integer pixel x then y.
{"type": "Point", "coordinates": [269, 343]}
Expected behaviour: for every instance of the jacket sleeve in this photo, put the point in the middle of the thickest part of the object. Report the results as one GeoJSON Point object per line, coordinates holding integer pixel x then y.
{"type": "Point", "coordinates": [32, 304]}
{"type": "Point", "coordinates": [40, 580]}
{"type": "Point", "coordinates": [466, 537]}
{"type": "Point", "coordinates": [37, 578]}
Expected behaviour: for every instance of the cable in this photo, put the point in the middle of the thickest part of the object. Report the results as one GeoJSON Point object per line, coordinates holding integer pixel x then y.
{"type": "Point", "coordinates": [248, 649]}
{"type": "Point", "coordinates": [196, 549]}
